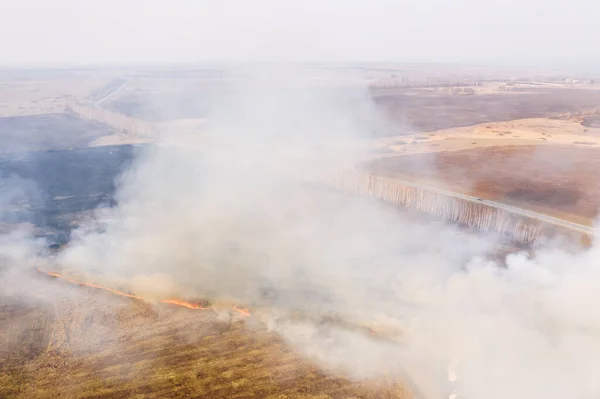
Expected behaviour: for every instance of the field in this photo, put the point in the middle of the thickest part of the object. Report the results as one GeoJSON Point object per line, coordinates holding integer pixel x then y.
{"type": "Point", "coordinates": [34, 92]}
{"type": "Point", "coordinates": [497, 135]}
{"type": "Point", "coordinates": [52, 190]}
{"type": "Point", "coordinates": [32, 109]}
{"type": "Point", "coordinates": [84, 343]}
{"type": "Point", "coordinates": [48, 131]}
{"type": "Point", "coordinates": [521, 132]}
{"type": "Point", "coordinates": [422, 110]}
{"type": "Point", "coordinates": [59, 340]}
{"type": "Point", "coordinates": [555, 180]}
{"type": "Point", "coordinates": [542, 164]}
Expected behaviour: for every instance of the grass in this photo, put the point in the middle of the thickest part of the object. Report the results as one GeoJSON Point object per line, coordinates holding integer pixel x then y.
{"type": "Point", "coordinates": [552, 180]}
{"type": "Point", "coordinates": [94, 345]}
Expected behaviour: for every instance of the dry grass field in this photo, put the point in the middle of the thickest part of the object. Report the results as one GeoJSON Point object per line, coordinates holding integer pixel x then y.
{"type": "Point", "coordinates": [537, 132]}
{"type": "Point", "coordinates": [426, 110]}
{"type": "Point", "coordinates": [33, 105]}
{"type": "Point", "coordinates": [548, 165]}
{"type": "Point", "coordinates": [552, 179]}
{"type": "Point", "coordinates": [42, 94]}
{"type": "Point", "coordinates": [78, 342]}
{"type": "Point", "coordinates": [85, 343]}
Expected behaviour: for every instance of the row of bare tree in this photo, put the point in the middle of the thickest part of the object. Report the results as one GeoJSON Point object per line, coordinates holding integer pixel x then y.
{"type": "Point", "coordinates": [465, 212]}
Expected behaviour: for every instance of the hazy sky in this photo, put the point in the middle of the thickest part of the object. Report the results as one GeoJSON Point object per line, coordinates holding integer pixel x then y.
{"type": "Point", "coordinates": [550, 32]}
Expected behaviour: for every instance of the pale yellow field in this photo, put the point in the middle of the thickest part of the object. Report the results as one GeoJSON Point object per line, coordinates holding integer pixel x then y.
{"type": "Point", "coordinates": [42, 97]}
{"type": "Point", "coordinates": [525, 132]}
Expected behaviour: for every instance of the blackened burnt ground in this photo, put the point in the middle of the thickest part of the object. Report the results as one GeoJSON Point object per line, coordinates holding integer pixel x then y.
{"type": "Point", "coordinates": [51, 188]}
{"type": "Point", "coordinates": [48, 131]}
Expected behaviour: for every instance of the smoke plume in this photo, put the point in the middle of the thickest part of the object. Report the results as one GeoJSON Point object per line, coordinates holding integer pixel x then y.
{"type": "Point", "coordinates": [227, 214]}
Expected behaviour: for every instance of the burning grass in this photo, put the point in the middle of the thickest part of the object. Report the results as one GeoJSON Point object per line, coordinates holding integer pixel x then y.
{"type": "Point", "coordinates": [95, 343]}
{"type": "Point", "coordinates": [178, 302]}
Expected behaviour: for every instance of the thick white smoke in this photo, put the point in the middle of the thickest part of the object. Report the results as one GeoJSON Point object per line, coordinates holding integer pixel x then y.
{"type": "Point", "coordinates": [224, 215]}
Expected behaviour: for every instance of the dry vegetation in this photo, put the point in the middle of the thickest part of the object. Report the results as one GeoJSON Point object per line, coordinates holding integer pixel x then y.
{"type": "Point", "coordinates": [428, 111]}
{"type": "Point", "coordinates": [33, 109]}
{"type": "Point", "coordinates": [555, 180]}
{"type": "Point", "coordinates": [41, 94]}
{"type": "Point", "coordinates": [94, 345]}
{"type": "Point", "coordinates": [548, 165]}
{"type": "Point", "coordinates": [523, 132]}
{"type": "Point", "coordinates": [470, 214]}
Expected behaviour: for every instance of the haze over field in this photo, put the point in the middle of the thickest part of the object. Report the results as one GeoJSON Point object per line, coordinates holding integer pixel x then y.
{"type": "Point", "coordinates": [224, 213]}
{"type": "Point", "coordinates": [233, 221]}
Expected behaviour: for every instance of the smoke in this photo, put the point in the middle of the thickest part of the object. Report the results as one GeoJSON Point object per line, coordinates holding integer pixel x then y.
{"type": "Point", "coordinates": [226, 215]}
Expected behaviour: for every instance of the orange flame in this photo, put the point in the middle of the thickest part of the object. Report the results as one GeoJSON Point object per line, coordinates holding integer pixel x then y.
{"type": "Point", "coordinates": [53, 274]}
{"type": "Point", "coordinates": [178, 302]}
{"type": "Point", "coordinates": [185, 304]}
{"type": "Point", "coordinates": [242, 311]}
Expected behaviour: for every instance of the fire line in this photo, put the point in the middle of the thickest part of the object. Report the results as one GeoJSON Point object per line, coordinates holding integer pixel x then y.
{"type": "Point", "coordinates": [178, 302]}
